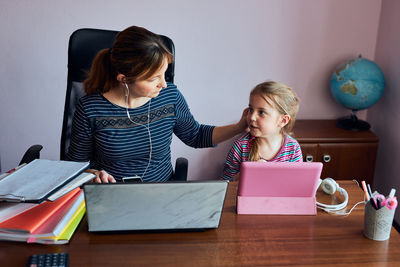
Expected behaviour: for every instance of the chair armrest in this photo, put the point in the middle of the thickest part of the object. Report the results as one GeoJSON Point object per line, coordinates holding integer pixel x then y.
{"type": "Point", "coordinates": [32, 153]}
{"type": "Point", "coordinates": [181, 170]}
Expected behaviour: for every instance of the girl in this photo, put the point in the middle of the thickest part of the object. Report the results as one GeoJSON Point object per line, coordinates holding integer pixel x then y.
{"type": "Point", "coordinates": [272, 112]}
{"type": "Point", "coordinates": [124, 124]}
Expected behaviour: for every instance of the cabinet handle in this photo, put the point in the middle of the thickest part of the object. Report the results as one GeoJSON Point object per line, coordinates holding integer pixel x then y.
{"type": "Point", "coordinates": [326, 158]}
{"type": "Point", "coordinates": [309, 158]}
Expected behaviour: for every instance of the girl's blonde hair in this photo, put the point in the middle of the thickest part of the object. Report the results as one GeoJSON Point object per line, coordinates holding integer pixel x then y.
{"type": "Point", "coordinates": [284, 99]}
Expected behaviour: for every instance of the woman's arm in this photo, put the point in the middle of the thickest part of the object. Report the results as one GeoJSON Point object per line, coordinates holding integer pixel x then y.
{"type": "Point", "coordinates": [81, 145]}
{"type": "Point", "coordinates": [198, 135]}
{"type": "Point", "coordinates": [222, 133]}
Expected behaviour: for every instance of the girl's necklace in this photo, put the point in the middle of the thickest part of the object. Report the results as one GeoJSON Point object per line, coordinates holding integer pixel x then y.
{"type": "Point", "coordinates": [283, 141]}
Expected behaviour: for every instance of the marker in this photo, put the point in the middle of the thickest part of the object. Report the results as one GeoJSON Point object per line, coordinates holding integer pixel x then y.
{"type": "Point", "coordinates": [365, 190]}
{"type": "Point", "coordinates": [391, 203]}
{"type": "Point", "coordinates": [378, 203]}
{"type": "Point", "coordinates": [373, 203]}
{"type": "Point", "coordinates": [392, 192]}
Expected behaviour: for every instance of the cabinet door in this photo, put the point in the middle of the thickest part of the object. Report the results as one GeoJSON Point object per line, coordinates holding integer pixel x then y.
{"type": "Point", "coordinates": [347, 161]}
{"type": "Point", "coordinates": [309, 152]}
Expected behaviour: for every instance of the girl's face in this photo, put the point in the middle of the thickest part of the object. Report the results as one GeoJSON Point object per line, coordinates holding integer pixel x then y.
{"type": "Point", "coordinates": [151, 86]}
{"type": "Point", "coordinates": [264, 119]}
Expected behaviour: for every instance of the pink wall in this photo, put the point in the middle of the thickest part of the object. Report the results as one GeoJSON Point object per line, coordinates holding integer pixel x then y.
{"type": "Point", "coordinates": [385, 115]}
{"type": "Point", "coordinates": [223, 49]}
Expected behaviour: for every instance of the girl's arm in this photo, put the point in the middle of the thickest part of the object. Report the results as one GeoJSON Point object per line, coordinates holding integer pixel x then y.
{"type": "Point", "coordinates": [232, 163]}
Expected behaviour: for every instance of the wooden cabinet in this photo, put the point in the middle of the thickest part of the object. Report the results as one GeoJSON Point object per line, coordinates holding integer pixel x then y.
{"type": "Point", "coordinates": [346, 155]}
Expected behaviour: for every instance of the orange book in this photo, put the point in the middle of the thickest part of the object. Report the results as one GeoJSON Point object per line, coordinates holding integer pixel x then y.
{"type": "Point", "coordinates": [28, 221]}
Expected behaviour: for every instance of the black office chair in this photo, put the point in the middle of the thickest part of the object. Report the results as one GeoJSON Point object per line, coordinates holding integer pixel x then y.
{"type": "Point", "coordinates": [84, 44]}
{"type": "Point", "coordinates": [31, 153]}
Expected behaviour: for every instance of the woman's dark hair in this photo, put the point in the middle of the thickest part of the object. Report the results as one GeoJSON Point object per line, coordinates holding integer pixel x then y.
{"type": "Point", "coordinates": [136, 53]}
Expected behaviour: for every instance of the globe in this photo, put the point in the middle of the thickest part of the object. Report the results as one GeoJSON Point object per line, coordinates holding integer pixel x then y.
{"type": "Point", "coordinates": [357, 84]}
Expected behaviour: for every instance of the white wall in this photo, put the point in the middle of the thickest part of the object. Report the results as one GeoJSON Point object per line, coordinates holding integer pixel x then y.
{"type": "Point", "coordinates": [223, 49]}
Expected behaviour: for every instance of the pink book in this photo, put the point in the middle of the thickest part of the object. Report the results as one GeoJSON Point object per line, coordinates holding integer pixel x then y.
{"type": "Point", "coordinates": [281, 188]}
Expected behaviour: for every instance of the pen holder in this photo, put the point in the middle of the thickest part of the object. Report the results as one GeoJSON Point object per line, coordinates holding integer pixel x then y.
{"type": "Point", "coordinates": [377, 223]}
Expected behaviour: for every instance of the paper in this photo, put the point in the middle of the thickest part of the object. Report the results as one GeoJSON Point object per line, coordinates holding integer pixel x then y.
{"type": "Point", "coordinates": [9, 210]}
{"type": "Point", "coordinates": [38, 179]}
{"type": "Point", "coordinates": [78, 181]}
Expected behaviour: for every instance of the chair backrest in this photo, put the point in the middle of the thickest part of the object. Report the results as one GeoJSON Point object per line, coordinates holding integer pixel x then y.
{"type": "Point", "coordinates": [84, 44]}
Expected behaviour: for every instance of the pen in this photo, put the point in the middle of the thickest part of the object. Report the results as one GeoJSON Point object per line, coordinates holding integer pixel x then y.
{"type": "Point", "coordinates": [369, 190]}
{"type": "Point", "coordinates": [365, 190]}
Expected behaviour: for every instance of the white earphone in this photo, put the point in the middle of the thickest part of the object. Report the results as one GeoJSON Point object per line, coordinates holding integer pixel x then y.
{"type": "Point", "coordinates": [147, 128]}
{"type": "Point", "coordinates": [329, 186]}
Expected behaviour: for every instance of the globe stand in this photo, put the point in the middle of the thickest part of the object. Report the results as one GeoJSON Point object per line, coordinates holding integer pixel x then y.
{"type": "Point", "coordinates": [352, 123]}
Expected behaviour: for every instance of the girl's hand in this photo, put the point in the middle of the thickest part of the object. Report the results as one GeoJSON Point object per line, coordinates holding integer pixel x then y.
{"type": "Point", "coordinates": [102, 176]}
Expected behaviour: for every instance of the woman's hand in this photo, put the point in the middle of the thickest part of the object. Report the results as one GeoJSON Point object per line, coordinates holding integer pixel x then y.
{"type": "Point", "coordinates": [101, 176]}
{"type": "Point", "coordinates": [242, 124]}
{"type": "Point", "coordinates": [222, 133]}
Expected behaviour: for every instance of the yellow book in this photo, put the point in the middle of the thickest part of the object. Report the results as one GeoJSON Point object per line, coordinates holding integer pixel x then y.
{"type": "Point", "coordinates": [67, 232]}
{"type": "Point", "coordinates": [71, 226]}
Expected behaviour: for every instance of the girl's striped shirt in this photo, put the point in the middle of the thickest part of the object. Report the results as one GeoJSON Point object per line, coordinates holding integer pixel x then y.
{"type": "Point", "coordinates": [240, 151]}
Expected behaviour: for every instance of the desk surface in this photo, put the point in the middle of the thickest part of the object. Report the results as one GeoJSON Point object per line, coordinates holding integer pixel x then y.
{"type": "Point", "coordinates": [240, 240]}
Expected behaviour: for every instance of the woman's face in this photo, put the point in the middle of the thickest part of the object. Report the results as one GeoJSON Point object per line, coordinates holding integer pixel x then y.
{"type": "Point", "coordinates": [151, 86]}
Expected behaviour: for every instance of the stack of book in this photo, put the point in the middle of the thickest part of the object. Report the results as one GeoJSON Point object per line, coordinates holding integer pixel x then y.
{"type": "Point", "coordinates": [42, 202]}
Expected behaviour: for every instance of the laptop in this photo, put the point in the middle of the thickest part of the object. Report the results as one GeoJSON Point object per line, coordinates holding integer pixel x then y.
{"type": "Point", "coordinates": [278, 188]}
{"type": "Point", "coordinates": [192, 205]}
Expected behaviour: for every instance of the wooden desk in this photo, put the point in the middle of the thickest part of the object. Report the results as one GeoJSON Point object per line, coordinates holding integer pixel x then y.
{"type": "Point", "coordinates": [241, 240]}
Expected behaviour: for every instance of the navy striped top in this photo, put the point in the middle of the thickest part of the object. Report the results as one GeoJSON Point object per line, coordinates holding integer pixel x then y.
{"type": "Point", "coordinates": [103, 134]}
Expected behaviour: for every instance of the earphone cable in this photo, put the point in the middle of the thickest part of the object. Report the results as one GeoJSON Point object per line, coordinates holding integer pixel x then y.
{"type": "Point", "coordinates": [341, 212]}
{"type": "Point", "coordinates": [147, 128]}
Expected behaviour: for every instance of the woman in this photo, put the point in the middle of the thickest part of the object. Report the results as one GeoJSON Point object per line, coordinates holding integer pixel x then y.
{"type": "Point", "coordinates": [124, 124]}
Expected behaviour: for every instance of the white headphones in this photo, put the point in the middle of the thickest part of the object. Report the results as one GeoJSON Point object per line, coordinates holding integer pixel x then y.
{"type": "Point", "coordinates": [329, 186]}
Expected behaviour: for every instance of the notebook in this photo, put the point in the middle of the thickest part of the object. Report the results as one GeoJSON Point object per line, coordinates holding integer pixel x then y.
{"type": "Point", "coordinates": [40, 179]}
{"type": "Point", "coordinates": [278, 188]}
{"type": "Point", "coordinates": [192, 205]}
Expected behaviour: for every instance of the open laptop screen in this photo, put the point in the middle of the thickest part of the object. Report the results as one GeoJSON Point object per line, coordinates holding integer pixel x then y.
{"type": "Point", "coordinates": [154, 206]}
